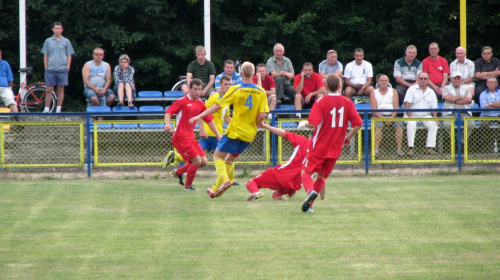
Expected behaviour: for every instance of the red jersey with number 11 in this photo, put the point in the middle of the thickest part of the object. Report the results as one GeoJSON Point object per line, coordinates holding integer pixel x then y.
{"type": "Point", "coordinates": [331, 115]}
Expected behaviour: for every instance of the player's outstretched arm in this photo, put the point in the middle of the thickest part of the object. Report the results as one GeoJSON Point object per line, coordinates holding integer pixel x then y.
{"type": "Point", "coordinates": [205, 113]}
{"type": "Point", "coordinates": [203, 133]}
{"type": "Point", "coordinates": [278, 131]}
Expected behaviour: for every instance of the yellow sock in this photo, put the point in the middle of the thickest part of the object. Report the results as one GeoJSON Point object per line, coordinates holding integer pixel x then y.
{"type": "Point", "coordinates": [220, 168]}
{"type": "Point", "coordinates": [230, 171]}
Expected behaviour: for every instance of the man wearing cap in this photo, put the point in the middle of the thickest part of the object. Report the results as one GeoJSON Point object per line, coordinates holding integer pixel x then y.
{"type": "Point", "coordinates": [456, 95]}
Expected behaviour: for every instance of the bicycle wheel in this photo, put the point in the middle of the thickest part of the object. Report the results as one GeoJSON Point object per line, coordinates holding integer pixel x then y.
{"type": "Point", "coordinates": [34, 100]}
{"type": "Point", "coordinates": [178, 85]}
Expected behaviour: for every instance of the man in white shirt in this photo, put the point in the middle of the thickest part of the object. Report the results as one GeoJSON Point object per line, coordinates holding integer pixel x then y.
{"type": "Point", "coordinates": [358, 76]}
{"type": "Point", "coordinates": [421, 96]}
{"type": "Point", "coordinates": [466, 68]}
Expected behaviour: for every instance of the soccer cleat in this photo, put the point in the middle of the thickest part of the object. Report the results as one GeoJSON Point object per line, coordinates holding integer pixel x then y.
{"type": "Point", "coordinates": [310, 210]}
{"type": "Point", "coordinates": [178, 177]}
{"type": "Point", "coordinates": [169, 159]}
{"type": "Point", "coordinates": [309, 199]}
{"type": "Point", "coordinates": [282, 197]}
{"type": "Point", "coordinates": [210, 193]}
{"type": "Point", "coordinates": [223, 188]}
{"type": "Point", "coordinates": [255, 196]}
{"type": "Point", "coordinates": [235, 184]}
{"type": "Point", "coordinates": [190, 188]}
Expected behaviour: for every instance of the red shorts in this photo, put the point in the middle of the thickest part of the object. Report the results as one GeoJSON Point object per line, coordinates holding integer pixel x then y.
{"type": "Point", "coordinates": [269, 180]}
{"type": "Point", "coordinates": [313, 164]}
{"type": "Point", "coordinates": [188, 148]}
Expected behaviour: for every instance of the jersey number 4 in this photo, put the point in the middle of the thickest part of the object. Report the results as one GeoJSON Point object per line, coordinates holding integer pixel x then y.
{"type": "Point", "coordinates": [334, 117]}
{"type": "Point", "coordinates": [249, 103]}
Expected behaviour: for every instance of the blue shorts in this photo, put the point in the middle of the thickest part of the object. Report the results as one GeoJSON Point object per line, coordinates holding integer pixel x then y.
{"type": "Point", "coordinates": [90, 93]}
{"type": "Point", "coordinates": [209, 144]}
{"type": "Point", "coordinates": [56, 77]}
{"type": "Point", "coordinates": [232, 146]}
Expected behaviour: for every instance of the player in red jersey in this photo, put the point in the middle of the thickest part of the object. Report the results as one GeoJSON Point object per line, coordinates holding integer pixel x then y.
{"type": "Point", "coordinates": [285, 179]}
{"type": "Point", "coordinates": [329, 117]}
{"type": "Point", "coordinates": [184, 139]}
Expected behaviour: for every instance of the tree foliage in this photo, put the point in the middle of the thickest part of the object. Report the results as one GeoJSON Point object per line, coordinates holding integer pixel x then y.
{"type": "Point", "coordinates": [160, 36]}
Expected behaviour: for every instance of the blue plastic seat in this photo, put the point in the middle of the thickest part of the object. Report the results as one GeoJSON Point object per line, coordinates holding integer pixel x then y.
{"type": "Point", "coordinates": [288, 125]}
{"type": "Point", "coordinates": [362, 106]}
{"type": "Point", "coordinates": [173, 95]}
{"type": "Point", "coordinates": [99, 109]}
{"type": "Point", "coordinates": [284, 108]}
{"type": "Point", "coordinates": [150, 94]}
{"type": "Point", "coordinates": [125, 125]}
{"type": "Point", "coordinates": [151, 109]}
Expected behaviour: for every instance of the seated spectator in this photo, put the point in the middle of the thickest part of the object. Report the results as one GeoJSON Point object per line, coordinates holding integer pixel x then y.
{"type": "Point", "coordinates": [421, 96]}
{"type": "Point", "coordinates": [202, 69]}
{"type": "Point", "coordinates": [96, 75]}
{"type": "Point", "coordinates": [386, 98]}
{"type": "Point", "coordinates": [376, 81]}
{"type": "Point", "coordinates": [330, 65]}
{"type": "Point", "coordinates": [437, 68]}
{"type": "Point", "coordinates": [281, 69]}
{"type": "Point", "coordinates": [406, 70]}
{"type": "Point", "coordinates": [486, 66]}
{"type": "Point", "coordinates": [263, 80]}
{"type": "Point", "coordinates": [358, 76]}
{"type": "Point", "coordinates": [490, 98]}
{"type": "Point", "coordinates": [124, 80]}
{"type": "Point", "coordinates": [6, 83]}
{"type": "Point", "coordinates": [228, 71]}
{"type": "Point", "coordinates": [308, 85]}
{"type": "Point", "coordinates": [458, 96]}
{"type": "Point", "coordinates": [466, 68]}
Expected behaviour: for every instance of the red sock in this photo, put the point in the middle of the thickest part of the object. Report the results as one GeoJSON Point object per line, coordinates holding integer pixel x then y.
{"type": "Point", "coordinates": [191, 173]}
{"type": "Point", "coordinates": [183, 169]}
{"type": "Point", "coordinates": [307, 182]}
{"type": "Point", "coordinates": [252, 187]}
{"type": "Point", "coordinates": [319, 184]}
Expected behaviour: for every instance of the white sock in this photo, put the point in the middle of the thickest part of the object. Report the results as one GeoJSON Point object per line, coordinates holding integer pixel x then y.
{"type": "Point", "coordinates": [46, 110]}
{"type": "Point", "coordinates": [58, 109]}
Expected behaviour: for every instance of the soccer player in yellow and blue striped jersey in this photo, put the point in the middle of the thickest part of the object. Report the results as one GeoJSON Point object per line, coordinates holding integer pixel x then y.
{"type": "Point", "coordinates": [250, 106]}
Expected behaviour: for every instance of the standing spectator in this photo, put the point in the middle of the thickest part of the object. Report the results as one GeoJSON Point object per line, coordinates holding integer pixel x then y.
{"type": "Point", "coordinates": [406, 70]}
{"type": "Point", "coordinates": [230, 72]}
{"type": "Point", "coordinates": [358, 76]}
{"type": "Point", "coordinates": [6, 83]}
{"type": "Point", "coordinates": [490, 98]}
{"type": "Point", "coordinates": [249, 110]}
{"type": "Point", "coordinates": [486, 66]}
{"type": "Point", "coordinates": [456, 95]}
{"type": "Point", "coordinates": [437, 68]}
{"type": "Point", "coordinates": [308, 84]}
{"type": "Point", "coordinates": [124, 80]}
{"type": "Point", "coordinates": [284, 179]}
{"type": "Point", "coordinates": [96, 75]}
{"type": "Point", "coordinates": [420, 96]}
{"type": "Point", "coordinates": [329, 118]}
{"type": "Point", "coordinates": [57, 54]}
{"type": "Point", "coordinates": [202, 69]}
{"type": "Point", "coordinates": [330, 65]}
{"type": "Point", "coordinates": [184, 139]}
{"type": "Point", "coordinates": [466, 68]}
{"type": "Point", "coordinates": [281, 69]}
{"type": "Point", "coordinates": [385, 97]}
{"type": "Point", "coordinates": [263, 80]}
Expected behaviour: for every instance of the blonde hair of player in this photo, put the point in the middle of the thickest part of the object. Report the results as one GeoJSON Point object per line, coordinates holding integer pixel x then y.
{"type": "Point", "coordinates": [247, 69]}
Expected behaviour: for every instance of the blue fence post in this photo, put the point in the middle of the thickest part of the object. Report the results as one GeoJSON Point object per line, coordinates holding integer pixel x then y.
{"type": "Point", "coordinates": [459, 140]}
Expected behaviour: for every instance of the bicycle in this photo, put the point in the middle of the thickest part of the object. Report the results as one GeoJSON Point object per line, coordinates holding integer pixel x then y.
{"type": "Point", "coordinates": [33, 96]}
{"type": "Point", "coordinates": [183, 79]}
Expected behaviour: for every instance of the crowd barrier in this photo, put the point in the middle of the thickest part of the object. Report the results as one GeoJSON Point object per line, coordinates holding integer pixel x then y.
{"type": "Point", "coordinates": [105, 138]}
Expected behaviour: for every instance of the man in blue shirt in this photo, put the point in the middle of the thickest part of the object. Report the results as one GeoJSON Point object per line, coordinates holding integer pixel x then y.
{"type": "Point", "coordinates": [229, 71]}
{"type": "Point", "coordinates": [6, 82]}
{"type": "Point", "coordinates": [490, 98]}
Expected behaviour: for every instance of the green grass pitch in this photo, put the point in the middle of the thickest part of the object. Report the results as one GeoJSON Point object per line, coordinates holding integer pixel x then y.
{"type": "Point", "coordinates": [423, 227]}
